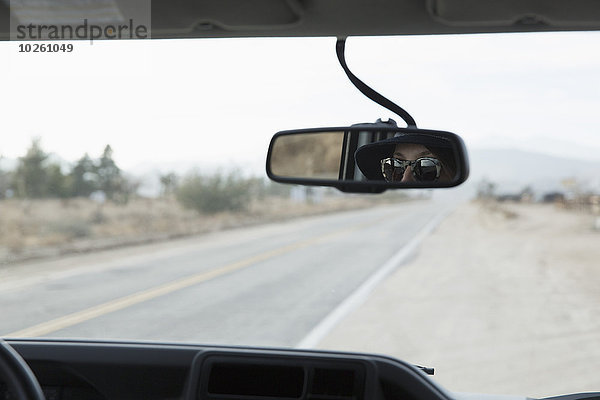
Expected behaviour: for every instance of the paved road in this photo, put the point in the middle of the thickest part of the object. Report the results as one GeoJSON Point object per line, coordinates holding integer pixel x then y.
{"type": "Point", "coordinates": [267, 285]}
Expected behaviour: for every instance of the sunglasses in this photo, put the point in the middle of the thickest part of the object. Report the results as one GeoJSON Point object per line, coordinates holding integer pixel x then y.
{"type": "Point", "coordinates": [424, 169]}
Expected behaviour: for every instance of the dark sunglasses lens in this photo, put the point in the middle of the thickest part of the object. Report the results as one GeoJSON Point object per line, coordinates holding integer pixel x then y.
{"type": "Point", "coordinates": [390, 172]}
{"type": "Point", "coordinates": [426, 170]}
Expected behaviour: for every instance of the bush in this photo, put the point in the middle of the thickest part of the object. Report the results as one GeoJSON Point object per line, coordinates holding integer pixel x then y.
{"type": "Point", "coordinates": [215, 193]}
{"type": "Point", "coordinates": [71, 228]}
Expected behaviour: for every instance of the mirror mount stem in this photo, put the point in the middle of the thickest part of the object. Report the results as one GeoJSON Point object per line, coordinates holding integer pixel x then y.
{"type": "Point", "coordinates": [368, 91]}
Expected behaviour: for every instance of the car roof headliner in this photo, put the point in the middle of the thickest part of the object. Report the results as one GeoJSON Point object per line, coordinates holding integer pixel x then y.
{"type": "Point", "coordinates": [298, 18]}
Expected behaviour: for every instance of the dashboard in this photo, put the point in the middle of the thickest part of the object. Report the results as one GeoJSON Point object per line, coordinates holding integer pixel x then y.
{"type": "Point", "coordinates": [99, 370]}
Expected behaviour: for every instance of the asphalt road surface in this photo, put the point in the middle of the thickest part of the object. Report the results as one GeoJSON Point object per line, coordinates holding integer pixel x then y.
{"type": "Point", "coordinates": [268, 285]}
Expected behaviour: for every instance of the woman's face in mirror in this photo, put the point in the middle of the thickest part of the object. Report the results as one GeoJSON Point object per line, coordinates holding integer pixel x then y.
{"type": "Point", "coordinates": [410, 152]}
{"type": "Point", "coordinates": [413, 151]}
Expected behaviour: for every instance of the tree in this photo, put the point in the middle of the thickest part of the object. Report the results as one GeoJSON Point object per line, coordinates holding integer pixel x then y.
{"type": "Point", "coordinates": [83, 178]}
{"type": "Point", "coordinates": [5, 181]}
{"type": "Point", "coordinates": [30, 178]}
{"type": "Point", "coordinates": [168, 183]}
{"type": "Point", "coordinates": [56, 184]}
{"type": "Point", "coordinates": [109, 175]}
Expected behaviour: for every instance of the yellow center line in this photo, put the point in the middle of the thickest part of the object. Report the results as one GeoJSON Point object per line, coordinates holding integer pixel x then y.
{"type": "Point", "coordinates": [78, 317]}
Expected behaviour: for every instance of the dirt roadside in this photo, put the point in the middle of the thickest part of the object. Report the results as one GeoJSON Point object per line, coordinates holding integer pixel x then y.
{"type": "Point", "coordinates": [501, 300]}
{"type": "Point", "coordinates": [47, 229]}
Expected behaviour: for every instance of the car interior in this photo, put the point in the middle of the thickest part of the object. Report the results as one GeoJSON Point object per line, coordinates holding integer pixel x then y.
{"type": "Point", "coordinates": [57, 369]}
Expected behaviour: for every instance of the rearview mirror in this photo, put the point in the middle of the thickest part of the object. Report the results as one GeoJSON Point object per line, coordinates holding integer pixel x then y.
{"type": "Point", "coordinates": [368, 158]}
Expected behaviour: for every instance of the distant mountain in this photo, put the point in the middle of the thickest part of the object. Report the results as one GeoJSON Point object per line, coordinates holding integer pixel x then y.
{"type": "Point", "coordinates": [513, 170]}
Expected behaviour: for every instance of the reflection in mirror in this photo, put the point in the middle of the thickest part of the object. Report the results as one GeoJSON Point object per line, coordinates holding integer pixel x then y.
{"type": "Point", "coordinates": [368, 156]}
{"type": "Point", "coordinates": [407, 158]}
{"type": "Point", "coordinates": [310, 155]}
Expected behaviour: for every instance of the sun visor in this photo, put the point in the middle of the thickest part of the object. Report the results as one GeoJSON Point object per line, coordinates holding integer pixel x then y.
{"type": "Point", "coordinates": [64, 11]}
{"type": "Point", "coordinates": [228, 15]}
{"type": "Point", "coordinates": [493, 13]}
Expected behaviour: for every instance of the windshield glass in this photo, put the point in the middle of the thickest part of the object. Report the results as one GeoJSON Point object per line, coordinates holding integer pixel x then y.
{"type": "Point", "coordinates": [134, 203]}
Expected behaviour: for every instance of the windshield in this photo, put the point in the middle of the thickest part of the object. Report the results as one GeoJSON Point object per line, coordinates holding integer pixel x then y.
{"type": "Point", "coordinates": [134, 203]}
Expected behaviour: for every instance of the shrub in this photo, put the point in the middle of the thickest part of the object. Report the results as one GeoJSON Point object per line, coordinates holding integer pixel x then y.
{"type": "Point", "coordinates": [71, 228]}
{"type": "Point", "coordinates": [211, 194]}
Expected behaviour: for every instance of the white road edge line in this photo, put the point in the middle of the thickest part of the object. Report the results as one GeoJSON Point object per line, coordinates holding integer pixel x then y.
{"type": "Point", "coordinates": [360, 295]}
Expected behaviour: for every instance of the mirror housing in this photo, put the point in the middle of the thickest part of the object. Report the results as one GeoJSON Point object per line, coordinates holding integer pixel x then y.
{"type": "Point", "coordinates": [368, 158]}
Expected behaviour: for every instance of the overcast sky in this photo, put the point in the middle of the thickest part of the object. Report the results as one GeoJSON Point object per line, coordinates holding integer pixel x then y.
{"type": "Point", "coordinates": [218, 102]}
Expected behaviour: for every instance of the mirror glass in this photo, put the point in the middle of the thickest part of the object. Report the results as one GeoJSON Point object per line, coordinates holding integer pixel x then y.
{"type": "Point", "coordinates": [311, 155]}
{"type": "Point", "coordinates": [396, 158]}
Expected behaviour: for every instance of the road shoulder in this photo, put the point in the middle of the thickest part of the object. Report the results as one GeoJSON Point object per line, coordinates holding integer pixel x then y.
{"type": "Point", "coordinates": [498, 300]}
